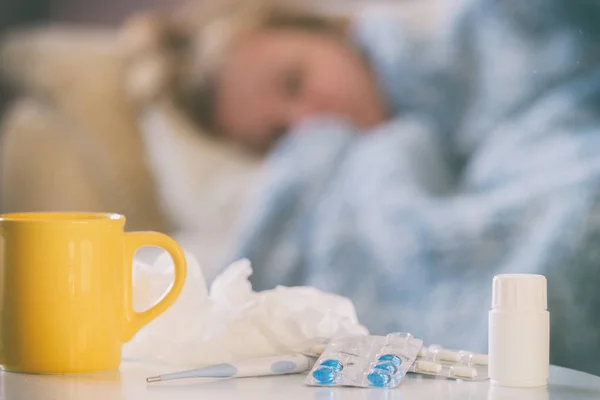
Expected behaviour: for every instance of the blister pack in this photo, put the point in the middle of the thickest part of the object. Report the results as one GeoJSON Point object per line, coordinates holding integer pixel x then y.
{"type": "Point", "coordinates": [456, 364]}
{"type": "Point", "coordinates": [366, 361]}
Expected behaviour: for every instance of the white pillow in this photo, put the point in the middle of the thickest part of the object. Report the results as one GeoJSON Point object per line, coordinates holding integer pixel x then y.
{"type": "Point", "coordinates": [202, 182]}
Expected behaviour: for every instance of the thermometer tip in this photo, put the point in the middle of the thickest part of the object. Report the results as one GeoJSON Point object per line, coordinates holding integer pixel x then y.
{"type": "Point", "coordinates": [153, 379]}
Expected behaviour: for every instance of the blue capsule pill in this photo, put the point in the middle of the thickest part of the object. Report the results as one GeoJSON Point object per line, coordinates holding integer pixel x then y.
{"type": "Point", "coordinates": [333, 364]}
{"type": "Point", "coordinates": [324, 375]}
{"type": "Point", "coordinates": [379, 378]}
{"type": "Point", "coordinates": [386, 366]}
{"type": "Point", "coordinates": [394, 359]}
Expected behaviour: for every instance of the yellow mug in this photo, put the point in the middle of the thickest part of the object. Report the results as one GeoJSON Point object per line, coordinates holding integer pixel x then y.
{"type": "Point", "coordinates": [66, 290]}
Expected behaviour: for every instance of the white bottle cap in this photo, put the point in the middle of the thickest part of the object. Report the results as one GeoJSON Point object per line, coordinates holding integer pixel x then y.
{"type": "Point", "coordinates": [519, 292]}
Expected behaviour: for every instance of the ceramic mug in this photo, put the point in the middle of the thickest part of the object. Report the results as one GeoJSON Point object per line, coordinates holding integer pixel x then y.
{"type": "Point", "coordinates": [66, 290]}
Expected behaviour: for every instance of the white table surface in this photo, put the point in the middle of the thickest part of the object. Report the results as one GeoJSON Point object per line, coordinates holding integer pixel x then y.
{"type": "Point", "coordinates": [129, 384]}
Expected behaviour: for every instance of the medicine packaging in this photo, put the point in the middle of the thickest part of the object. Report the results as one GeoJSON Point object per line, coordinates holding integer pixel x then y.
{"type": "Point", "coordinates": [456, 364]}
{"type": "Point", "coordinates": [366, 361]}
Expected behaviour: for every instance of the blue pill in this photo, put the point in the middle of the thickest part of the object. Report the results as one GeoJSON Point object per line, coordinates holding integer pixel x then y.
{"type": "Point", "coordinates": [387, 366]}
{"type": "Point", "coordinates": [394, 359]}
{"type": "Point", "coordinates": [333, 364]}
{"type": "Point", "coordinates": [379, 379]}
{"type": "Point", "coordinates": [324, 375]}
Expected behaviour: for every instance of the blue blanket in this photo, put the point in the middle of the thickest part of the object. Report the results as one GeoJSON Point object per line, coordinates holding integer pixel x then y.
{"type": "Point", "coordinates": [491, 165]}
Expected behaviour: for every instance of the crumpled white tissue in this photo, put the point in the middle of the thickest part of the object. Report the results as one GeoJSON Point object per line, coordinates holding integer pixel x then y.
{"type": "Point", "coordinates": [231, 322]}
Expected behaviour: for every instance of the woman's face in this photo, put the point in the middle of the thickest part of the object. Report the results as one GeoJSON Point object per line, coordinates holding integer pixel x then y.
{"type": "Point", "coordinates": [273, 79]}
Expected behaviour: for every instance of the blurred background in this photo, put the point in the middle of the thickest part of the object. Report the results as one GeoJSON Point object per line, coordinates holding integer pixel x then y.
{"type": "Point", "coordinates": [21, 13]}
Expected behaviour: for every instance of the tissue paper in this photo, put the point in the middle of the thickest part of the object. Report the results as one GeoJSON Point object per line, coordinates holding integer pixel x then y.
{"type": "Point", "coordinates": [231, 321]}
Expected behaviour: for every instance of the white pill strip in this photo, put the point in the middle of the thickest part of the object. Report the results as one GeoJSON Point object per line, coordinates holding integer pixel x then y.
{"type": "Point", "coordinates": [428, 367]}
{"type": "Point", "coordinates": [453, 356]}
{"type": "Point", "coordinates": [458, 371]}
{"type": "Point", "coordinates": [480, 359]}
{"type": "Point", "coordinates": [448, 355]}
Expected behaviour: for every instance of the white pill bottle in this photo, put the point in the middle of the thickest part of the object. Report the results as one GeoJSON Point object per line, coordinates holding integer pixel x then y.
{"type": "Point", "coordinates": [519, 331]}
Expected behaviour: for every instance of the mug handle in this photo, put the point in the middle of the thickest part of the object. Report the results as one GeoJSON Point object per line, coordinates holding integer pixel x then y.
{"type": "Point", "coordinates": [134, 321]}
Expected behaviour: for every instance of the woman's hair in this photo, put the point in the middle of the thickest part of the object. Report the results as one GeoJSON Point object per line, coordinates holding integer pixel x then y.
{"type": "Point", "coordinates": [177, 56]}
